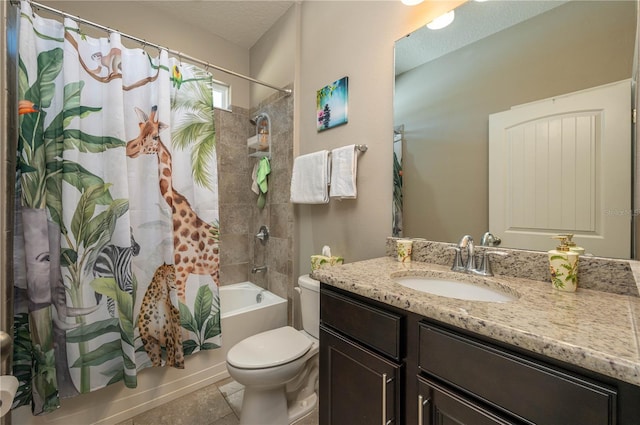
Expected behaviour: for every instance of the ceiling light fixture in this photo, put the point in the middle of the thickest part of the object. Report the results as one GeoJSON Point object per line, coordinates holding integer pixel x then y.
{"type": "Point", "coordinates": [411, 2]}
{"type": "Point", "coordinates": [442, 21]}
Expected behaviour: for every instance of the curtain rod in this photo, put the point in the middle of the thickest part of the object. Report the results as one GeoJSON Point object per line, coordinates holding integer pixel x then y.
{"type": "Point", "coordinates": [145, 43]}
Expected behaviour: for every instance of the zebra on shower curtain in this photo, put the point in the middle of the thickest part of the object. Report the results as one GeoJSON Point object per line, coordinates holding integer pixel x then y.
{"type": "Point", "coordinates": [117, 232]}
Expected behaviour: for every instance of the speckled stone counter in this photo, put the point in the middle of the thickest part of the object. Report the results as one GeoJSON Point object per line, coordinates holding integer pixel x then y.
{"type": "Point", "coordinates": [596, 330]}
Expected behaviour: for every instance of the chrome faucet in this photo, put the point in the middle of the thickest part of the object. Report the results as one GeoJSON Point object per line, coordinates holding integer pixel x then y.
{"type": "Point", "coordinates": [257, 269]}
{"type": "Point", "coordinates": [469, 266]}
{"type": "Point", "coordinates": [466, 242]}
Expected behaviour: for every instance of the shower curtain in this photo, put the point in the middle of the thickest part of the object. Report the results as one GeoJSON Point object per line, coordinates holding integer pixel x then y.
{"type": "Point", "coordinates": [116, 248]}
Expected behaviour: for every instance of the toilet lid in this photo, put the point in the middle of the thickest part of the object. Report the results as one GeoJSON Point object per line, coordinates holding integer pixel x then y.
{"type": "Point", "coordinates": [269, 349]}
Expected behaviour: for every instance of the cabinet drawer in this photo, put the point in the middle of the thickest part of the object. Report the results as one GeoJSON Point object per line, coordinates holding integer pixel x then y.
{"type": "Point", "coordinates": [371, 326]}
{"type": "Point", "coordinates": [528, 390]}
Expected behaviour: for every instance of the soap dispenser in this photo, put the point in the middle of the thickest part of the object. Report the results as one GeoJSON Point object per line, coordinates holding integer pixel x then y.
{"type": "Point", "coordinates": [563, 264]}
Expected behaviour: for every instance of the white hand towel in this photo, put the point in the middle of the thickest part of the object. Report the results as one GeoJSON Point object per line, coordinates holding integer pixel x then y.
{"type": "Point", "coordinates": [254, 179]}
{"type": "Point", "coordinates": [310, 178]}
{"type": "Point", "coordinates": [344, 167]}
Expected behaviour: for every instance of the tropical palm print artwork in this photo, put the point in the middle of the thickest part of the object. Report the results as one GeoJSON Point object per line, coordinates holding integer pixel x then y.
{"type": "Point", "coordinates": [117, 255]}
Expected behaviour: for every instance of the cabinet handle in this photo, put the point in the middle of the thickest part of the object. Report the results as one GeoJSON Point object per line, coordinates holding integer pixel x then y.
{"type": "Point", "coordinates": [421, 403]}
{"type": "Point", "coordinates": [385, 381]}
{"type": "Point", "coordinates": [384, 399]}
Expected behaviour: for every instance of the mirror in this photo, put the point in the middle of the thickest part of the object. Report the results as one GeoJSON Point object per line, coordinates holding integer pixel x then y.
{"type": "Point", "coordinates": [494, 56]}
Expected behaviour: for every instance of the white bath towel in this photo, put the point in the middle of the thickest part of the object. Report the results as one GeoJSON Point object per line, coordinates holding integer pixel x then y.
{"type": "Point", "coordinates": [310, 178]}
{"type": "Point", "coordinates": [344, 167]}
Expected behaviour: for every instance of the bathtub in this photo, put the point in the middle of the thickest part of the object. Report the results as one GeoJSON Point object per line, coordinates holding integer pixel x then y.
{"type": "Point", "coordinates": [247, 309]}
{"type": "Point", "coordinates": [241, 316]}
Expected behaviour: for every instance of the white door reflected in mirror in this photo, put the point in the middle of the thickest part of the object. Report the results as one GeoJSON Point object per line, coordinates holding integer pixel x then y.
{"type": "Point", "coordinates": [561, 165]}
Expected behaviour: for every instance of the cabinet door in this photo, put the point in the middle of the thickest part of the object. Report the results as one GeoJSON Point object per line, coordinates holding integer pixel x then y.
{"type": "Point", "coordinates": [438, 405]}
{"type": "Point", "coordinates": [357, 386]}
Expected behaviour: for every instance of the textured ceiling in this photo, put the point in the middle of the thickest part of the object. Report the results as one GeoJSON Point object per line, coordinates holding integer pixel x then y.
{"type": "Point", "coordinates": [474, 20]}
{"type": "Point", "coordinates": [238, 21]}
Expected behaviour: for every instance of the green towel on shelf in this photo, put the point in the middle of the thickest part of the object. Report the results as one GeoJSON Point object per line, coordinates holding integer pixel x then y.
{"type": "Point", "coordinates": [264, 168]}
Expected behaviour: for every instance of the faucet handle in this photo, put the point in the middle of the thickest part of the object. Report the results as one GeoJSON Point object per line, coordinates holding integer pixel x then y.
{"type": "Point", "coordinates": [457, 266]}
{"type": "Point", "coordinates": [263, 234]}
{"type": "Point", "coordinates": [485, 265]}
{"type": "Point", "coordinates": [489, 239]}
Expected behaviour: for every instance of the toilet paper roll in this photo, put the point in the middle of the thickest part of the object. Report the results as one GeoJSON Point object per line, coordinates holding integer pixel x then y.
{"type": "Point", "coordinates": [8, 388]}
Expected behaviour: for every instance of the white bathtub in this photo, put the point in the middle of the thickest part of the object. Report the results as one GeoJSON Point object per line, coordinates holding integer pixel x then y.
{"type": "Point", "coordinates": [241, 316]}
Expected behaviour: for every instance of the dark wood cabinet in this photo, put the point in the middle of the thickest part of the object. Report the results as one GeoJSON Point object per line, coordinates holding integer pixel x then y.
{"type": "Point", "coordinates": [376, 328]}
{"type": "Point", "coordinates": [515, 385]}
{"type": "Point", "coordinates": [361, 367]}
{"type": "Point", "coordinates": [358, 386]}
{"type": "Point", "coordinates": [438, 405]}
{"type": "Point", "coordinates": [383, 365]}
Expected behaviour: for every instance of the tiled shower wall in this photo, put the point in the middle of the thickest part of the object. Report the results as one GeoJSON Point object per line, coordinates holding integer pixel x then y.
{"type": "Point", "coordinates": [240, 218]}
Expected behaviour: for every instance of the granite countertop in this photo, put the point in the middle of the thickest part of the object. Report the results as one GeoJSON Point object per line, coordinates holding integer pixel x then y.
{"type": "Point", "coordinates": [596, 330]}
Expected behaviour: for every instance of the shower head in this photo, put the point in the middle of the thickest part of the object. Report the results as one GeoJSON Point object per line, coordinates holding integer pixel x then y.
{"type": "Point", "coordinates": [256, 119]}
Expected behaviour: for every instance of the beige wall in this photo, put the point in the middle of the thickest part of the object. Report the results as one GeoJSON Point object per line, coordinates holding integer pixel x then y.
{"type": "Point", "coordinates": [354, 39]}
{"type": "Point", "coordinates": [273, 58]}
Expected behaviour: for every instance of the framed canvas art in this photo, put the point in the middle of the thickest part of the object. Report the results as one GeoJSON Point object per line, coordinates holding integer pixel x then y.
{"type": "Point", "coordinates": [332, 104]}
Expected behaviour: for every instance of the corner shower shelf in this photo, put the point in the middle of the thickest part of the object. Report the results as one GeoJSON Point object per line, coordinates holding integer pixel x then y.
{"type": "Point", "coordinates": [257, 151]}
{"type": "Point", "coordinates": [260, 154]}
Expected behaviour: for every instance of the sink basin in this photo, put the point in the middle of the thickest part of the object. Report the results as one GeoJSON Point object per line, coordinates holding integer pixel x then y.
{"type": "Point", "coordinates": [454, 289]}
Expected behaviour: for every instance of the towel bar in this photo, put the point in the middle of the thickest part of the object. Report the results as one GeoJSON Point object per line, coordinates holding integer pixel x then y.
{"type": "Point", "coordinates": [359, 148]}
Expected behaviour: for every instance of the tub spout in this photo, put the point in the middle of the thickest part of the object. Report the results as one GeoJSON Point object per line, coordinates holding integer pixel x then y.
{"type": "Point", "coordinates": [257, 269]}
{"type": "Point", "coordinates": [260, 296]}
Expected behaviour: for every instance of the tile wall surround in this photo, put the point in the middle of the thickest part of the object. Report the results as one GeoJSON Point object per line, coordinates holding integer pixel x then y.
{"type": "Point", "coordinates": [234, 194]}
{"type": "Point", "coordinates": [240, 218]}
{"type": "Point", "coordinates": [597, 273]}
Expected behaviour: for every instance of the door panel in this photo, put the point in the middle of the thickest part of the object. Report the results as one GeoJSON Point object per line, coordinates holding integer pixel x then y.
{"type": "Point", "coordinates": [357, 386]}
{"type": "Point", "coordinates": [563, 165]}
{"type": "Point", "coordinates": [441, 406]}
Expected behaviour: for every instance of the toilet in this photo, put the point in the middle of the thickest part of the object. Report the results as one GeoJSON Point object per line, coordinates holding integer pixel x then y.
{"type": "Point", "coordinates": [279, 367]}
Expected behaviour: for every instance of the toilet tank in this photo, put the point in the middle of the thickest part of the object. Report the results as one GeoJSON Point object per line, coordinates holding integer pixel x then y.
{"type": "Point", "coordinates": [310, 304]}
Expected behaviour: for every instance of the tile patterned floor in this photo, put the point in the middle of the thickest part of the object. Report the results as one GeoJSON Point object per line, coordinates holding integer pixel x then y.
{"type": "Point", "coordinates": [217, 404]}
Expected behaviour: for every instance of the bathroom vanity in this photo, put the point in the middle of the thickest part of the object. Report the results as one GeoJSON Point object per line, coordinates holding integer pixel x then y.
{"type": "Point", "coordinates": [393, 355]}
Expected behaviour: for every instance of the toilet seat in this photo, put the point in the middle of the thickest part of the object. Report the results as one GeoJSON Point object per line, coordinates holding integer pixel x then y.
{"type": "Point", "coordinates": [269, 349]}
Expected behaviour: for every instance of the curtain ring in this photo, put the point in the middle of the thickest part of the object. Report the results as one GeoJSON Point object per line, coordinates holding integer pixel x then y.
{"type": "Point", "coordinates": [144, 45]}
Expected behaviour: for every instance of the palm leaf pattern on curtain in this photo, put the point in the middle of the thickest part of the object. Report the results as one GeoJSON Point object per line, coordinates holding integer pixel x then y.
{"type": "Point", "coordinates": [194, 131]}
{"type": "Point", "coordinates": [42, 169]}
{"type": "Point", "coordinates": [52, 146]}
{"type": "Point", "coordinates": [197, 130]}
